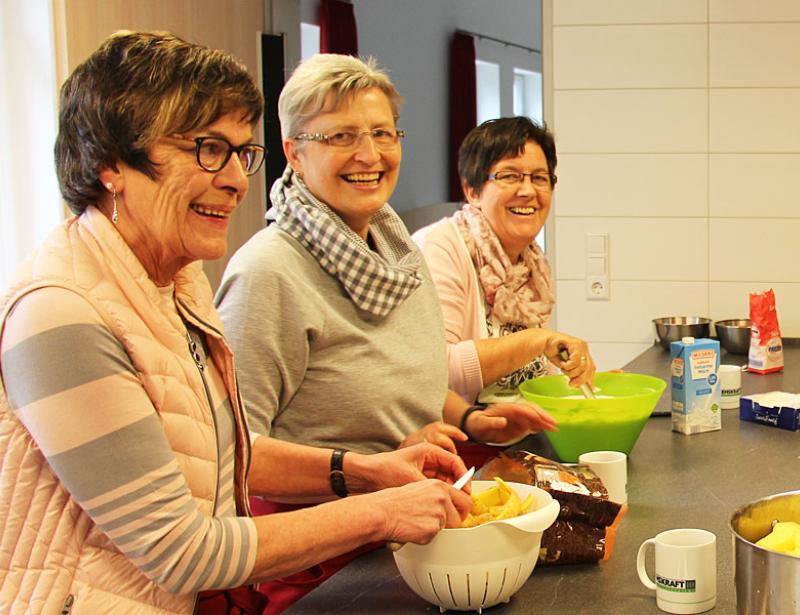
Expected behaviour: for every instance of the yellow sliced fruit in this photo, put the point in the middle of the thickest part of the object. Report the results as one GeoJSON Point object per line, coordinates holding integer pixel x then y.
{"type": "Point", "coordinates": [490, 497]}
{"type": "Point", "coordinates": [499, 502]}
{"type": "Point", "coordinates": [478, 507]}
{"type": "Point", "coordinates": [784, 537]}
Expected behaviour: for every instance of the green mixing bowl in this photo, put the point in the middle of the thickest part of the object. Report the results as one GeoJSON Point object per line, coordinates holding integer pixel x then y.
{"type": "Point", "coordinates": [612, 422]}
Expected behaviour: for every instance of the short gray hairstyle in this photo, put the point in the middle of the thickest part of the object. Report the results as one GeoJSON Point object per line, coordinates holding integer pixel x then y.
{"type": "Point", "coordinates": [307, 91]}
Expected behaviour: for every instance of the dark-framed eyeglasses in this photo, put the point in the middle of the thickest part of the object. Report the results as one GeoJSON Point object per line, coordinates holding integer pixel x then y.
{"type": "Point", "coordinates": [213, 153]}
{"type": "Point", "coordinates": [382, 138]}
{"type": "Point", "coordinates": [540, 181]}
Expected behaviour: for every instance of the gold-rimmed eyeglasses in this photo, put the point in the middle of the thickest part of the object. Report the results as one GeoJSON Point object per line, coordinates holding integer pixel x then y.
{"type": "Point", "coordinates": [382, 138]}
{"type": "Point", "coordinates": [213, 153]}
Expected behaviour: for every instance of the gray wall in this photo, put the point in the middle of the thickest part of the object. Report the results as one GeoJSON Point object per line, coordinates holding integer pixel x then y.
{"type": "Point", "coordinates": [411, 38]}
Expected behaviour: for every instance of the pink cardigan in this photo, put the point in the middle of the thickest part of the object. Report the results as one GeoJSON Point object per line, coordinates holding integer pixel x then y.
{"type": "Point", "coordinates": [461, 299]}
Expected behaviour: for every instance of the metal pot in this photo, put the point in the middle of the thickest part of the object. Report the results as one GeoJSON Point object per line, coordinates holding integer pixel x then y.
{"type": "Point", "coordinates": [674, 328]}
{"type": "Point", "coordinates": [767, 583]}
{"type": "Point", "coordinates": [734, 334]}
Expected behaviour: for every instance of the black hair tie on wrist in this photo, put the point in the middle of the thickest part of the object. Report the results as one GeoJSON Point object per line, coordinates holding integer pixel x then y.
{"type": "Point", "coordinates": [462, 425]}
{"type": "Point", "coordinates": [337, 473]}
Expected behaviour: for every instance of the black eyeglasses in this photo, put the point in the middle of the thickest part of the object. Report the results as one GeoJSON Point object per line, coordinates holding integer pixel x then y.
{"type": "Point", "coordinates": [382, 138]}
{"type": "Point", "coordinates": [540, 181]}
{"type": "Point", "coordinates": [213, 153]}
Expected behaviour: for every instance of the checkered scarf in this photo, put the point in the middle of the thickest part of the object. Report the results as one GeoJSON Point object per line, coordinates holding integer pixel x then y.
{"type": "Point", "coordinates": [377, 282]}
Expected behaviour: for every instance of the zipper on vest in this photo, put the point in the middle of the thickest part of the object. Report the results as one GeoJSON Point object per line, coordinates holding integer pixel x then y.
{"type": "Point", "coordinates": [198, 360]}
{"type": "Point", "coordinates": [67, 608]}
{"type": "Point", "coordinates": [238, 410]}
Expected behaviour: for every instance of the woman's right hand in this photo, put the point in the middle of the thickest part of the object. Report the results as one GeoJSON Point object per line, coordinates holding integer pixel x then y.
{"type": "Point", "coordinates": [417, 511]}
{"type": "Point", "coordinates": [579, 367]}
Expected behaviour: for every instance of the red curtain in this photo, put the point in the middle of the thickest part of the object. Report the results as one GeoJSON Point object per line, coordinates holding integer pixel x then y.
{"type": "Point", "coordinates": [463, 106]}
{"type": "Point", "coordinates": [337, 28]}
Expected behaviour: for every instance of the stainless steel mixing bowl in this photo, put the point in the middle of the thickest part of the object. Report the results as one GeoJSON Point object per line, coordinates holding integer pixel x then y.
{"type": "Point", "coordinates": [767, 582]}
{"type": "Point", "coordinates": [734, 335]}
{"type": "Point", "coordinates": [673, 328]}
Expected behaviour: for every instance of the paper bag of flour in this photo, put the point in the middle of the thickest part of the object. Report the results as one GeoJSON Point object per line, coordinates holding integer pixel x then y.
{"type": "Point", "coordinates": [766, 348]}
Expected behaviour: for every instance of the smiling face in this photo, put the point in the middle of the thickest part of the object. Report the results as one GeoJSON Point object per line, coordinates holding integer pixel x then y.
{"type": "Point", "coordinates": [183, 214]}
{"type": "Point", "coordinates": [516, 214]}
{"type": "Point", "coordinates": [356, 182]}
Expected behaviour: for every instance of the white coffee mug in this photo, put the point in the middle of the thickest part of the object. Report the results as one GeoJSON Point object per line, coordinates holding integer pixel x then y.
{"type": "Point", "coordinates": [612, 468]}
{"type": "Point", "coordinates": [730, 384]}
{"type": "Point", "coordinates": [686, 570]}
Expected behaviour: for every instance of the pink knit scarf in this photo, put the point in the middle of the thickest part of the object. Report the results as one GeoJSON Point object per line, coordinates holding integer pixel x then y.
{"type": "Point", "coordinates": [519, 293]}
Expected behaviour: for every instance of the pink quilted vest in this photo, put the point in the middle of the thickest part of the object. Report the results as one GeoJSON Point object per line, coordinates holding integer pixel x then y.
{"type": "Point", "coordinates": [53, 559]}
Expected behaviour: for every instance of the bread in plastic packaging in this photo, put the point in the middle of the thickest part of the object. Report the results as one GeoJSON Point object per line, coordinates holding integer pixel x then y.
{"type": "Point", "coordinates": [587, 522]}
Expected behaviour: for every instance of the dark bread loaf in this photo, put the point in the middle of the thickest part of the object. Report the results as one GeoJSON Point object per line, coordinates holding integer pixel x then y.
{"type": "Point", "coordinates": [579, 533]}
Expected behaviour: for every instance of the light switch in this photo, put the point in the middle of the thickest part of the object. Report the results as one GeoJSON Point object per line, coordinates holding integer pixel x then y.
{"type": "Point", "coordinates": [596, 244]}
{"type": "Point", "coordinates": [596, 266]}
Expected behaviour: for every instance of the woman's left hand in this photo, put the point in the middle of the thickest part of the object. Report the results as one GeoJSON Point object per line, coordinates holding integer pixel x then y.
{"type": "Point", "coordinates": [438, 433]}
{"type": "Point", "coordinates": [501, 423]}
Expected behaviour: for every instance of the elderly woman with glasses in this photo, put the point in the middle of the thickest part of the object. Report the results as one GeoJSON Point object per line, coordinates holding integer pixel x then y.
{"type": "Point", "coordinates": [493, 280]}
{"type": "Point", "coordinates": [126, 453]}
{"type": "Point", "coordinates": [331, 310]}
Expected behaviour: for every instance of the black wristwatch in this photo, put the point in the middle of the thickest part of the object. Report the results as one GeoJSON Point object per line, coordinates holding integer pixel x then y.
{"type": "Point", "coordinates": [462, 424]}
{"type": "Point", "coordinates": [337, 473]}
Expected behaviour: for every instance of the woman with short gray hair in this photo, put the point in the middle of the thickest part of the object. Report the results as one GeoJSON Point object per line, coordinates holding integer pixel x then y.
{"type": "Point", "coordinates": [332, 310]}
{"type": "Point", "coordinates": [324, 81]}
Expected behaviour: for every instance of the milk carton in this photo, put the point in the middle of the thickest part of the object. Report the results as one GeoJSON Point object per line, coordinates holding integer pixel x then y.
{"type": "Point", "coordinates": [695, 385]}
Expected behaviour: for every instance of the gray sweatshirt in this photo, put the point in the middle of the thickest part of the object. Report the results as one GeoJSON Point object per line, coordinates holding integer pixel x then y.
{"type": "Point", "coordinates": [314, 369]}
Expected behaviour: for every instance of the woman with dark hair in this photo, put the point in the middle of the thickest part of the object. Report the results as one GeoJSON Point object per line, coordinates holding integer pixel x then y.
{"type": "Point", "coordinates": [126, 456]}
{"type": "Point", "coordinates": [493, 280]}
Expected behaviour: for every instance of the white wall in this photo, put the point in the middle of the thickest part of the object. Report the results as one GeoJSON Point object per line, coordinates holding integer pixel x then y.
{"type": "Point", "coordinates": [677, 131]}
{"type": "Point", "coordinates": [30, 205]}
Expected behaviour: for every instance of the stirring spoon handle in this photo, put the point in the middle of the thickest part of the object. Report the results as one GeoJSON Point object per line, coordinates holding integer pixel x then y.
{"type": "Point", "coordinates": [587, 392]}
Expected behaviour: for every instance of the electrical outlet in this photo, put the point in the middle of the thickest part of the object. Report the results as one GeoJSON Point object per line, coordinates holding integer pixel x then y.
{"type": "Point", "coordinates": [597, 267]}
{"type": "Point", "coordinates": [597, 288]}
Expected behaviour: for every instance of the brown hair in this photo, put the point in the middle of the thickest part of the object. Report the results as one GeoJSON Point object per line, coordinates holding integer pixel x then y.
{"type": "Point", "coordinates": [135, 88]}
{"type": "Point", "coordinates": [497, 139]}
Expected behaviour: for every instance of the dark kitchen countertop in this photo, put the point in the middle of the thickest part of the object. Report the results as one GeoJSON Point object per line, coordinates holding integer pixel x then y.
{"type": "Point", "coordinates": [673, 481]}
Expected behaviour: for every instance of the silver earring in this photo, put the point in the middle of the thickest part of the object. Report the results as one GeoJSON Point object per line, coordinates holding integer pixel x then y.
{"type": "Point", "coordinates": [114, 213]}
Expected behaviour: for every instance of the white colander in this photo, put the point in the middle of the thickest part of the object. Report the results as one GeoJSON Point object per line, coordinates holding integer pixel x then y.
{"type": "Point", "coordinates": [469, 569]}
